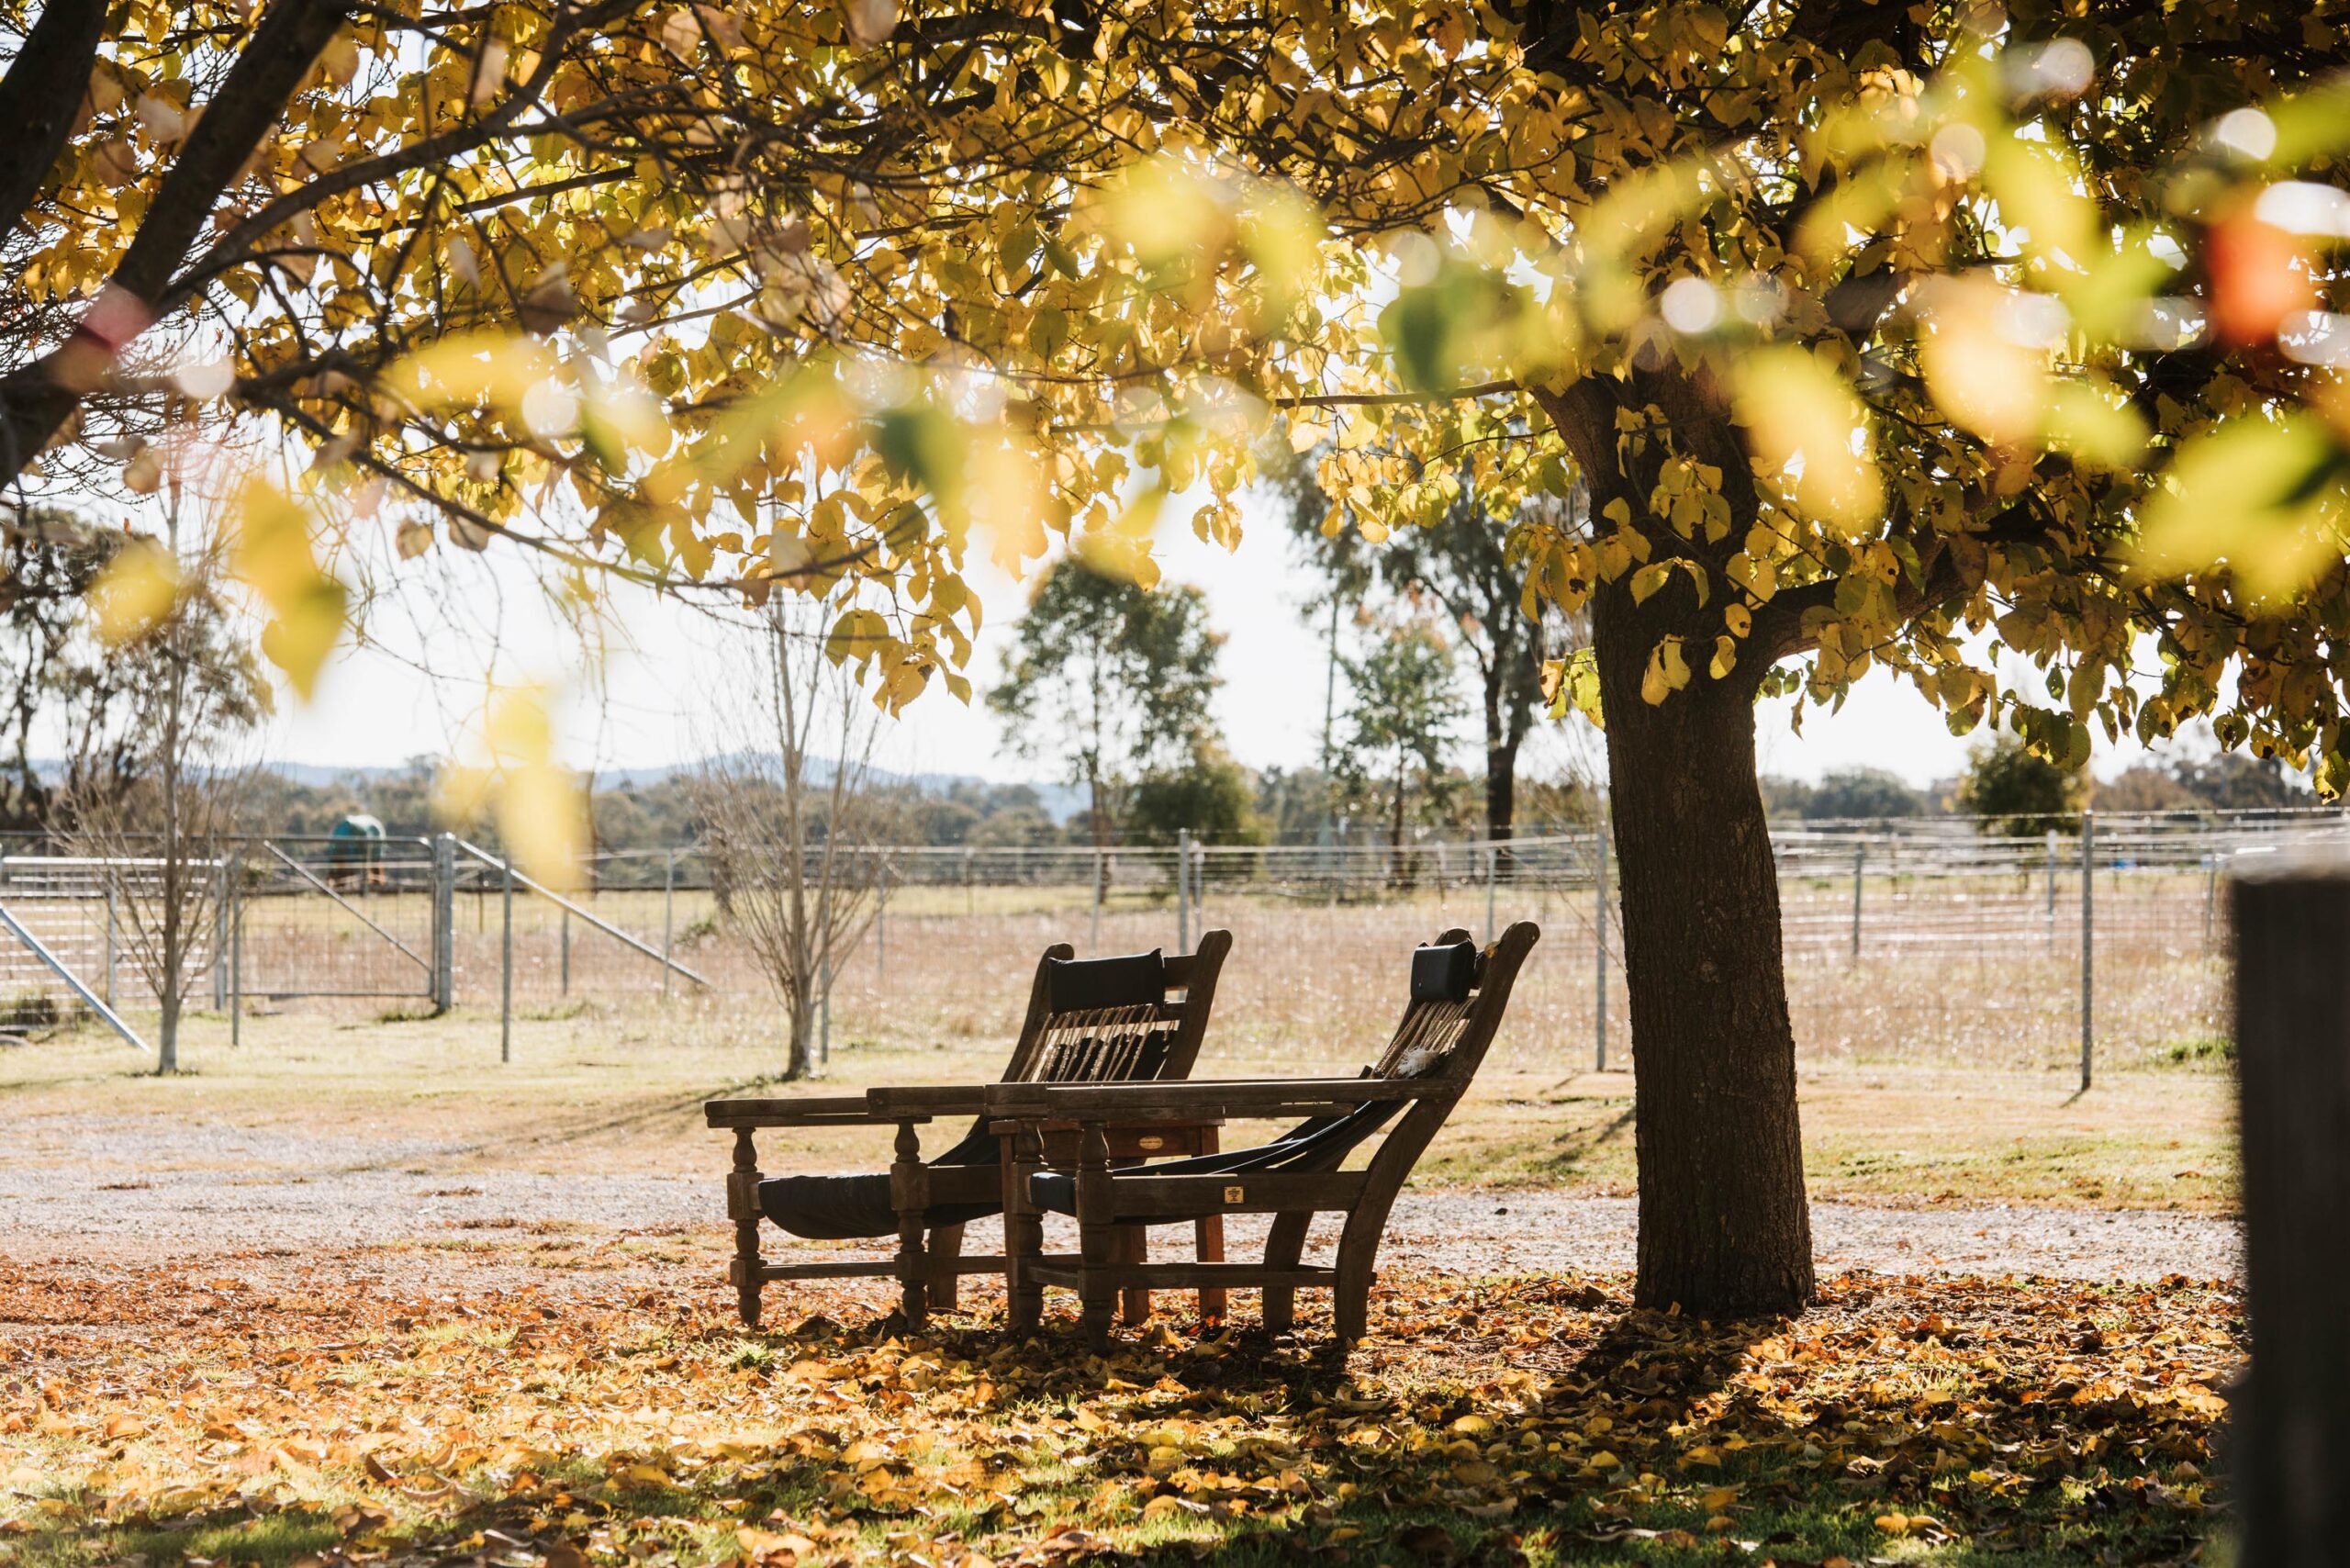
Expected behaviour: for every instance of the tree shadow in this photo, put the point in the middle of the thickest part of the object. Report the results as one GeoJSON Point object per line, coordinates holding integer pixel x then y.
{"type": "Point", "coordinates": [1616, 1436]}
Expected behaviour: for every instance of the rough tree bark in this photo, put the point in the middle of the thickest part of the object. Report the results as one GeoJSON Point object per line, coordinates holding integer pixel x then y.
{"type": "Point", "coordinates": [1724, 1224]}
{"type": "Point", "coordinates": [1501, 771]}
{"type": "Point", "coordinates": [38, 398]}
{"type": "Point", "coordinates": [39, 98]}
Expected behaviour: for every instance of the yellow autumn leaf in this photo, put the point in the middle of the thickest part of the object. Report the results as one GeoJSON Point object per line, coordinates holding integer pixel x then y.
{"type": "Point", "coordinates": [1979, 361]}
{"type": "Point", "coordinates": [2096, 424]}
{"type": "Point", "coordinates": [1803, 419]}
{"type": "Point", "coordinates": [469, 368]}
{"type": "Point", "coordinates": [1668, 672]}
{"type": "Point", "coordinates": [270, 549]}
{"type": "Point", "coordinates": [1004, 491]}
{"type": "Point", "coordinates": [2040, 191]}
{"type": "Point", "coordinates": [134, 592]}
{"type": "Point", "coordinates": [2253, 494]}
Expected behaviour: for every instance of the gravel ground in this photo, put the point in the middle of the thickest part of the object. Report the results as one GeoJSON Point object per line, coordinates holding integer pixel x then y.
{"type": "Point", "coordinates": [76, 1192]}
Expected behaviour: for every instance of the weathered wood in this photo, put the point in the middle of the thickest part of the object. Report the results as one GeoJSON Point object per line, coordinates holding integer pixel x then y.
{"type": "Point", "coordinates": [1187, 1197]}
{"type": "Point", "coordinates": [1089, 1042]}
{"type": "Point", "coordinates": [743, 1207]}
{"type": "Point", "coordinates": [946, 1272]}
{"type": "Point", "coordinates": [910, 1195]}
{"type": "Point", "coordinates": [1096, 1243]}
{"type": "Point", "coordinates": [1116, 1276]}
{"type": "Point", "coordinates": [2291, 1445]}
{"type": "Point", "coordinates": [1427, 1065]}
{"type": "Point", "coordinates": [802, 1110]}
{"type": "Point", "coordinates": [1227, 1097]}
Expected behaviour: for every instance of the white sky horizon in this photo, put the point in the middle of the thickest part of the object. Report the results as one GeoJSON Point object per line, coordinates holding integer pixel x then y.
{"type": "Point", "coordinates": [658, 704]}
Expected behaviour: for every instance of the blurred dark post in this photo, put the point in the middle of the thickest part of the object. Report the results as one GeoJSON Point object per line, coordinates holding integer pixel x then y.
{"type": "Point", "coordinates": [2291, 1440]}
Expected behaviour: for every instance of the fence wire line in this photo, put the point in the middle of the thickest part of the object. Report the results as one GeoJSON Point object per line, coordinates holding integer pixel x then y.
{"type": "Point", "coordinates": [1922, 938]}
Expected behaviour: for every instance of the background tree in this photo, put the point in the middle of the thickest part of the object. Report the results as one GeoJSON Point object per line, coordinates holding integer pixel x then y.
{"type": "Point", "coordinates": [1115, 679]}
{"type": "Point", "coordinates": [1461, 563]}
{"type": "Point", "coordinates": [2014, 791]}
{"type": "Point", "coordinates": [50, 668]}
{"type": "Point", "coordinates": [792, 823]}
{"type": "Point", "coordinates": [1402, 707]}
{"type": "Point", "coordinates": [166, 831]}
{"type": "Point", "coordinates": [1845, 794]}
{"type": "Point", "coordinates": [1211, 796]}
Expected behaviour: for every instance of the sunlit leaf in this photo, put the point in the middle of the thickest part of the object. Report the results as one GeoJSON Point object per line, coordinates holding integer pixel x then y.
{"type": "Point", "coordinates": [2262, 497]}
{"type": "Point", "coordinates": [134, 591]}
{"type": "Point", "coordinates": [1804, 420]}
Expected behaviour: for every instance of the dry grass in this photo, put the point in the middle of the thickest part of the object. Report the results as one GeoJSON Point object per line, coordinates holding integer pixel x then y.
{"type": "Point", "coordinates": [1967, 973]}
{"type": "Point", "coordinates": [620, 1085]}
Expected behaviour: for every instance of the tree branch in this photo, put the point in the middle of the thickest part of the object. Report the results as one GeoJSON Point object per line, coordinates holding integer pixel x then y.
{"type": "Point", "coordinates": [39, 98]}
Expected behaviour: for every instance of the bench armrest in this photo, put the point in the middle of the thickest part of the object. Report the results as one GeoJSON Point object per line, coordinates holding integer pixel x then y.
{"type": "Point", "coordinates": [900, 1104]}
{"type": "Point", "coordinates": [799, 1111]}
{"type": "Point", "coordinates": [1231, 1097]}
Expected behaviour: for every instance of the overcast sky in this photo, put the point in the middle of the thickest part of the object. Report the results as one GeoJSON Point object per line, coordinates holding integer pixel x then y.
{"type": "Point", "coordinates": [655, 704]}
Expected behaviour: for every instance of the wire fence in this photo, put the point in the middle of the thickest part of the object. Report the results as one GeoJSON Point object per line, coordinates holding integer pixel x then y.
{"type": "Point", "coordinates": [1920, 940]}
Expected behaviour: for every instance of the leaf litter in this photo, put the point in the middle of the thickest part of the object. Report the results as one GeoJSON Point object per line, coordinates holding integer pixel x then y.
{"type": "Point", "coordinates": [149, 1419]}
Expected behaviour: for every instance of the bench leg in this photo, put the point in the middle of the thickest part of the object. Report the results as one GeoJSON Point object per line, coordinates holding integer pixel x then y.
{"type": "Point", "coordinates": [1207, 1243]}
{"type": "Point", "coordinates": [1133, 1247]}
{"type": "Point", "coordinates": [1357, 1259]}
{"type": "Point", "coordinates": [909, 1193]}
{"type": "Point", "coordinates": [1097, 1236]}
{"type": "Point", "coordinates": [743, 1208]}
{"type": "Point", "coordinates": [1024, 1233]}
{"type": "Point", "coordinates": [946, 1248]}
{"type": "Point", "coordinates": [1283, 1247]}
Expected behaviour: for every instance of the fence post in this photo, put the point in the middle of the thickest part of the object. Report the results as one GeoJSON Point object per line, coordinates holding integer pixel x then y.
{"type": "Point", "coordinates": [824, 1017]}
{"type": "Point", "coordinates": [1490, 931]}
{"type": "Point", "coordinates": [1184, 889]}
{"type": "Point", "coordinates": [970, 905]}
{"type": "Point", "coordinates": [1859, 866]}
{"type": "Point", "coordinates": [1599, 948]}
{"type": "Point", "coordinates": [1101, 878]}
{"type": "Point", "coordinates": [566, 951]}
{"type": "Point", "coordinates": [2089, 942]}
{"type": "Point", "coordinates": [506, 965]}
{"type": "Point", "coordinates": [444, 921]}
{"type": "Point", "coordinates": [111, 943]}
{"type": "Point", "coordinates": [881, 927]}
{"type": "Point", "coordinates": [220, 933]}
{"type": "Point", "coordinates": [237, 950]}
{"type": "Point", "coordinates": [2051, 891]}
{"type": "Point", "coordinates": [668, 911]}
{"type": "Point", "coordinates": [2291, 1415]}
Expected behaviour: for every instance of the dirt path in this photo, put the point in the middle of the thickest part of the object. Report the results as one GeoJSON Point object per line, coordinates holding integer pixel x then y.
{"type": "Point", "coordinates": [75, 1191]}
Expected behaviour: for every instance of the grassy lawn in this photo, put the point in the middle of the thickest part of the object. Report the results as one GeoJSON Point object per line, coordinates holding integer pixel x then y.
{"type": "Point", "coordinates": [623, 1083]}
{"type": "Point", "coordinates": [294, 1425]}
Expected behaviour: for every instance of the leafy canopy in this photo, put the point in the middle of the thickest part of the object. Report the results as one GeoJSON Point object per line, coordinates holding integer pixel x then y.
{"type": "Point", "coordinates": [1879, 339]}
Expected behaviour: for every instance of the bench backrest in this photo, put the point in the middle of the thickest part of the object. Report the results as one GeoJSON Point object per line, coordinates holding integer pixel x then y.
{"type": "Point", "coordinates": [1446, 1038]}
{"type": "Point", "coordinates": [1117, 1020]}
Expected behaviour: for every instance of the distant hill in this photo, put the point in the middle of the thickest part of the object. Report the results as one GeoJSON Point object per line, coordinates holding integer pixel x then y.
{"type": "Point", "coordinates": [1059, 801]}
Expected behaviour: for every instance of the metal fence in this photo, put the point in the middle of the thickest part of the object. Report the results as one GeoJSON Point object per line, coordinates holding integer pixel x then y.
{"type": "Point", "coordinates": [1921, 939]}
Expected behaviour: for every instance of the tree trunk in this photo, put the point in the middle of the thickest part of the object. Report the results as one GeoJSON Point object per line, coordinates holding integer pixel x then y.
{"type": "Point", "coordinates": [799, 1055]}
{"type": "Point", "coordinates": [167, 1038]}
{"type": "Point", "coordinates": [1501, 786]}
{"type": "Point", "coordinates": [1723, 1228]}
